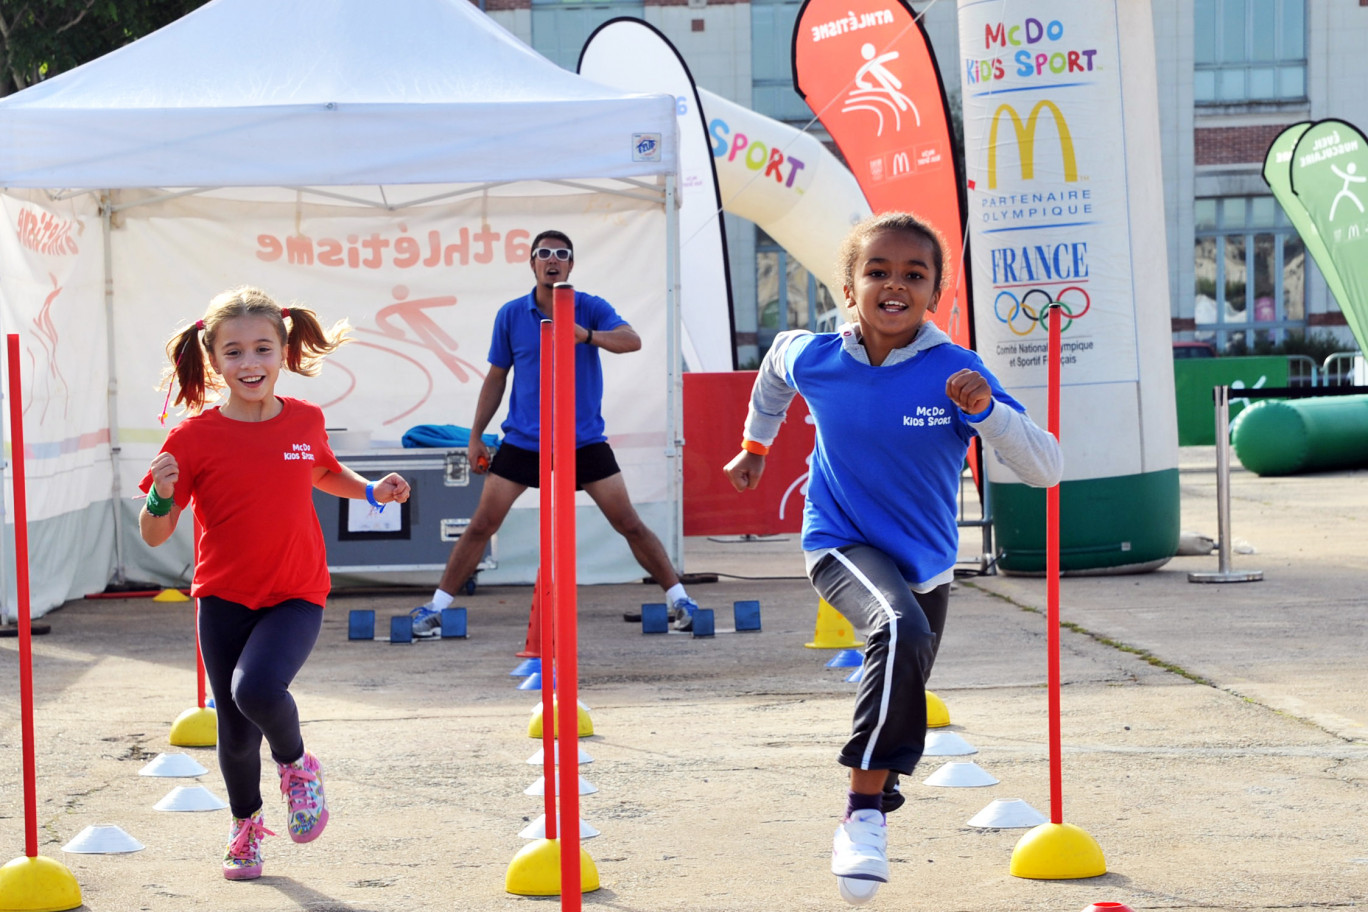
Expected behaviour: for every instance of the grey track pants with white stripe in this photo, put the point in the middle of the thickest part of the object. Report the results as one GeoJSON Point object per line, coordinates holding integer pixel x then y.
{"type": "Point", "coordinates": [902, 631]}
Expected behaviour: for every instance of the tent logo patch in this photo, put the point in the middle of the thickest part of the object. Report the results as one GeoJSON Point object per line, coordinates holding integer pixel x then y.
{"type": "Point", "coordinates": [646, 147]}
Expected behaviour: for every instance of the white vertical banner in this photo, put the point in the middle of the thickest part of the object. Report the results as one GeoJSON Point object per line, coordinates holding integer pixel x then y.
{"type": "Point", "coordinates": [1051, 216]}
{"type": "Point", "coordinates": [1066, 206]}
{"type": "Point", "coordinates": [630, 54]}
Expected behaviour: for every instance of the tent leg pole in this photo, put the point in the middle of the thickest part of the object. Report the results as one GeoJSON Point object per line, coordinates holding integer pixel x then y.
{"type": "Point", "coordinates": [674, 402]}
{"type": "Point", "coordinates": [115, 494]}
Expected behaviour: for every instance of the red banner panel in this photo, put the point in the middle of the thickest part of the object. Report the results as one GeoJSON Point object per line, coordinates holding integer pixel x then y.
{"type": "Point", "coordinates": [714, 414]}
{"type": "Point", "coordinates": [866, 69]}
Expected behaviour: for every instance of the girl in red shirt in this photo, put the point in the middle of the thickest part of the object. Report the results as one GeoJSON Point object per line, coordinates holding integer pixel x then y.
{"type": "Point", "coordinates": [248, 466]}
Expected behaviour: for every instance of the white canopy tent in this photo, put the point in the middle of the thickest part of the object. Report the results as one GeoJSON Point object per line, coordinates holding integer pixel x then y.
{"type": "Point", "coordinates": [382, 162]}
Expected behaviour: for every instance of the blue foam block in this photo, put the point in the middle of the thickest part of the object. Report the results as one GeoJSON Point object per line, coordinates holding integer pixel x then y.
{"type": "Point", "coordinates": [703, 625]}
{"type": "Point", "coordinates": [747, 615]}
{"type": "Point", "coordinates": [361, 624]}
{"type": "Point", "coordinates": [401, 629]}
{"type": "Point", "coordinates": [453, 623]}
{"type": "Point", "coordinates": [655, 618]}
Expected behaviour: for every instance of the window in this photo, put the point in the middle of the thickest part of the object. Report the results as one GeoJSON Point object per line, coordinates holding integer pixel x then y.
{"type": "Point", "coordinates": [559, 29]}
{"type": "Point", "coordinates": [1250, 273]}
{"type": "Point", "coordinates": [788, 296]}
{"type": "Point", "coordinates": [772, 92]}
{"type": "Point", "coordinates": [1249, 50]}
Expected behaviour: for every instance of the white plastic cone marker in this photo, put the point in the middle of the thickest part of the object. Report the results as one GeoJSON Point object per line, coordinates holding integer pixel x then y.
{"type": "Point", "coordinates": [103, 840]}
{"type": "Point", "coordinates": [960, 774]}
{"type": "Point", "coordinates": [537, 829]}
{"type": "Point", "coordinates": [536, 759]}
{"type": "Point", "coordinates": [946, 744]}
{"type": "Point", "coordinates": [1007, 814]}
{"type": "Point", "coordinates": [539, 787]}
{"type": "Point", "coordinates": [171, 765]}
{"type": "Point", "coordinates": [190, 798]}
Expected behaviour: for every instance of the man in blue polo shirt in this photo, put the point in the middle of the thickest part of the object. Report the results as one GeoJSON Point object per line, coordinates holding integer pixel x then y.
{"type": "Point", "coordinates": [516, 348]}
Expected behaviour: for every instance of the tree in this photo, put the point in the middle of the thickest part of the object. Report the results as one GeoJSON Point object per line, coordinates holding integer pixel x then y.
{"type": "Point", "coordinates": [41, 38]}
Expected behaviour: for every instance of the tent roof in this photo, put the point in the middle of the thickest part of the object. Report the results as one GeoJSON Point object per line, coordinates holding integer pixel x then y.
{"type": "Point", "coordinates": [327, 92]}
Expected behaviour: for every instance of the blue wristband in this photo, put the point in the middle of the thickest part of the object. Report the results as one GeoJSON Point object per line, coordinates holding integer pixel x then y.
{"type": "Point", "coordinates": [370, 496]}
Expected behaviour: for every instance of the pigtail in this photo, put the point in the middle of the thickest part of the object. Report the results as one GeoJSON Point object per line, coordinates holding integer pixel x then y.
{"type": "Point", "coordinates": [307, 343]}
{"type": "Point", "coordinates": [187, 371]}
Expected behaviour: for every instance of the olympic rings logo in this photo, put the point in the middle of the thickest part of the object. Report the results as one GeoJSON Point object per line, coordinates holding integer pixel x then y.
{"type": "Point", "coordinates": [1033, 308]}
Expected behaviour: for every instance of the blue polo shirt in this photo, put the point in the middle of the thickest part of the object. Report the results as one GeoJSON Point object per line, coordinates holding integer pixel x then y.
{"type": "Point", "coordinates": [517, 344]}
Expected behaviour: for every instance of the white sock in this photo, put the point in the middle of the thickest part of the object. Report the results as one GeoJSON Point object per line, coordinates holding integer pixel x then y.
{"type": "Point", "coordinates": [675, 593]}
{"type": "Point", "coordinates": [441, 600]}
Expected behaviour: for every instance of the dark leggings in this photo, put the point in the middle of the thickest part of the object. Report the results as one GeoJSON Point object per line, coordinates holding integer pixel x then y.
{"type": "Point", "coordinates": [902, 630]}
{"type": "Point", "coordinates": [250, 658]}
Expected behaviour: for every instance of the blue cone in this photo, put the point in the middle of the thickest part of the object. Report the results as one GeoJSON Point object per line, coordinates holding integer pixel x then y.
{"type": "Point", "coordinates": [846, 658]}
{"type": "Point", "coordinates": [526, 667]}
{"type": "Point", "coordinates": [531, 682]}
{"type": "Point", "coordinates": [855, 676]}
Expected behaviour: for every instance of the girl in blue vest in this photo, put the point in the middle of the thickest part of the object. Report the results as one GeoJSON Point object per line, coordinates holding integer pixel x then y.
{"type": "Point", "coordinates": [895, 403]}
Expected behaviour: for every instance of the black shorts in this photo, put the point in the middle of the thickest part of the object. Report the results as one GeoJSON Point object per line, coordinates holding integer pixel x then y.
{"type": "Point", "coordinates": [593, 462]}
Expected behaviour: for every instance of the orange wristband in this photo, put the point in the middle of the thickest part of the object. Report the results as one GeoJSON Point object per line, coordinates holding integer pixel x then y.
{"type": "Point", "coordinates": [751, 446]}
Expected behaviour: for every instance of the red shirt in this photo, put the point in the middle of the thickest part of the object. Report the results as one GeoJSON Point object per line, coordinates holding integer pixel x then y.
{"type": "Point", "coordinates": [251, 484]}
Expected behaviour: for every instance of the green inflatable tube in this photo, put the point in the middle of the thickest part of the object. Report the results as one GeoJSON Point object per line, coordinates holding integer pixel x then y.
{"type": "Point", "coordinates": [1286, 437]}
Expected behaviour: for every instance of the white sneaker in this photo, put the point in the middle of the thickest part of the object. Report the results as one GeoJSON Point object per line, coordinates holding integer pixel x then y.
{"type": "Point", "coordinates": [857, 892]}
{"type": "Point", "coordinates": [859, 851]}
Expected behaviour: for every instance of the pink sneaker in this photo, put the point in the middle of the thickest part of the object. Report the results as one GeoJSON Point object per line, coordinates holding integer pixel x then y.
{"type": "Point", "coordinates": [242, 860]}
{"type": "Point", "coordinates": [301, 783]}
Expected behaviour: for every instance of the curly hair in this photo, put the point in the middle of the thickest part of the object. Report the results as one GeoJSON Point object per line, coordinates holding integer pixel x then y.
{"type": "Point", "coordinates": [906, 222]}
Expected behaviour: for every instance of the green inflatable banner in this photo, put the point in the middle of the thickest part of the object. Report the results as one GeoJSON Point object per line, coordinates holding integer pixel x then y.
{"type": "Point", "coordinates": [1277, 173]}
{"type": "Point", "coordinates": [1329, 176]}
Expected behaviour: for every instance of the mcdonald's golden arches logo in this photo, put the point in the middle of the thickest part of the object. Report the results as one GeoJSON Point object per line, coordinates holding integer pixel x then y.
{"type": "Point", "coordinates": [1025, 137]}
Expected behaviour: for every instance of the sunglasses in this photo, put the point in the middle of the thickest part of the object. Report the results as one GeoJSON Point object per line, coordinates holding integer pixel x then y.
{"type": "Point", "coordinates": [546, 253]}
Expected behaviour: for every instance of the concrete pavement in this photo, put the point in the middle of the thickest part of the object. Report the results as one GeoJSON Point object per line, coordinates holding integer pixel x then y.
{"type": "Point", "coordinates": [1213, 740]}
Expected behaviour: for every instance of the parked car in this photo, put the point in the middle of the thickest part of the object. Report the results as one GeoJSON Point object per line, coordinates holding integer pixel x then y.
{"type": "Point", "coordinates": [1193, 350]}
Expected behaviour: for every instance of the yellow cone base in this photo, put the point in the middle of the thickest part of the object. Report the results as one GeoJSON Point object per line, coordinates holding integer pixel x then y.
{"type": "Point", "coordinates": [1057, 851]}
{"type": "Point", "coordinates": [833, 630]}
{"type": "Point", "coordinates": [937, 716]}
{"type": "Point", "coordinates": [536, 870]}
{"type": "Point", "coordinates": [583, 723]}
{"type": "Point", "coordinates": [38, 885]}
{"type": "Point", "coordinates": [170, 595]}
{"type": "Point", "coordinates": [195, 728]}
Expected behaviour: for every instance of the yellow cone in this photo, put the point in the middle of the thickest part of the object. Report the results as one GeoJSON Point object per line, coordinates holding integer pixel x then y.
{"type": "Point", "coordinates": [536, 870]}
{"type": "Point", "coordinates": [937, 716]}
{"type": "Point", "coordinates": [38, 884]}
{"type": "Point", "coordinates": [170, 595]}
{"type": "Point", "coordinates": [195, 728]}
{"type": "Point", "coordinates": [1057, 851]}
{"type": "Point", "coordinates": [833, 630]}
{"type": "Point", "coordinates": [584, 724]}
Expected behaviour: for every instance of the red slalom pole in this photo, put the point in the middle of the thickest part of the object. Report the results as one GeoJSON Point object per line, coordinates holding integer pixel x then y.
{"type": "Point", "coordinates": [546, 575]}
{"type": "Point", "coordinates": [1052, 580]}
{"type": "Point", "coordinates": [21, 577]}
{"type": "Point", "coordinates": [567, 641]}
{"type": "Point", "coordinates": [199, 655]}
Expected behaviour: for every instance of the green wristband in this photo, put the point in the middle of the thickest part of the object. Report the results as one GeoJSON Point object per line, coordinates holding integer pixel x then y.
{"type": "Point", "coordinates": [156, 505]}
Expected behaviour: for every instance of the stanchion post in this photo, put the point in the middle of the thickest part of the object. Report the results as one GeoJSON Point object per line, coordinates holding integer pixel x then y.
{"type": "Point", "coordinates": [33, 881]}
{"type": "Point", "coordinates": [1055, 850]}
{"type": "Point", "coordinates": [1223, 574]}
{"type": "Point", "coordinates": [1052, 570]}
{"type": "Point", "coordinates": [567, 639]}
{"type": "Point", "coordinates": [546, 575]}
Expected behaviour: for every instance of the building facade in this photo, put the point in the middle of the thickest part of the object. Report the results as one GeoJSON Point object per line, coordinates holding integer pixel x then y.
{"type": "Point", "coordinates": [1231, 75]}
